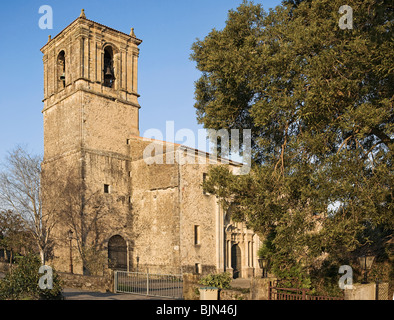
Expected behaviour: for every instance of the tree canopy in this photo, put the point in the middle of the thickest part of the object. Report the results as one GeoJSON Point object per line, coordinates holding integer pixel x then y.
{"type": "Point", "coordinates": [319, 101]}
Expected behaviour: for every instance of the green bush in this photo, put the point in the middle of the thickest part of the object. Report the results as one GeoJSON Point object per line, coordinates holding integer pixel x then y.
{"type": "Point", "coordinates": [220, 280]}
{"type": "Point", "coordinates": [21, 283]}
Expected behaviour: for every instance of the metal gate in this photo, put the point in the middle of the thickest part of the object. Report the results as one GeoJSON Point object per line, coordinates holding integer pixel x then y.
{"type": "Point", "coordinates": [382, 290]}
{"type": "Point", "coordinates": [150, 284]}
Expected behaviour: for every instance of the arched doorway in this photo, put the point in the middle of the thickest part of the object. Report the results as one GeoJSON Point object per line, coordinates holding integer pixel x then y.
{"type": "Point", "coordinates": [117, 253]}
{"type": "Point", "coordinates": [236, 260]}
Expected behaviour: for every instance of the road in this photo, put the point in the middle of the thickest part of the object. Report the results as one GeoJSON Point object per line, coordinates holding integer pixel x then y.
{"type": "Point", "coordinates": [75, 294]}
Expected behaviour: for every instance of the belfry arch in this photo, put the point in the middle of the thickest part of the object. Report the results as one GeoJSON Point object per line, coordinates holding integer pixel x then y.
{"type": "Point", "coordinates": [109, 67]}
{"type": "Point", "coordinates": [61, 70]}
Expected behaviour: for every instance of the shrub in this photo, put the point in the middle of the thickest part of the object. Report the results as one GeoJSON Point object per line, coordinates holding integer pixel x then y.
{"type": "Point", "coordinates": [220, 280]}
{"type": "Point", "coordinates": [22, 282]}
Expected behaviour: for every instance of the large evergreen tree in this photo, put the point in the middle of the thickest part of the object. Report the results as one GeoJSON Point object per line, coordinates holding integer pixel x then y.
{"type": "Point", "coordinates": [319, 101]}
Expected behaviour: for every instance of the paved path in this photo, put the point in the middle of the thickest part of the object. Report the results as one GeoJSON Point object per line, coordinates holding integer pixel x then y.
{"type": "Point", "coordinates": [75, 294]}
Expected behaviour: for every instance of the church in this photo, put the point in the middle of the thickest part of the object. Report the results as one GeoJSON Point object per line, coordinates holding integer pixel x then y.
{"type": "Point", "coordinates": [115, 208]}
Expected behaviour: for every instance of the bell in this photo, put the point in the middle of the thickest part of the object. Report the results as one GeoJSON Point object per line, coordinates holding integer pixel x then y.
{"type": "Point", "coordinates": [63, 77]}
{"type": "Point", "coordinates": [108, 74]}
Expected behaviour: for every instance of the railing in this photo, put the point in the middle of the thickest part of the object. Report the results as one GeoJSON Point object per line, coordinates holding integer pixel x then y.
{"type": "Point", "coordinates": [160, 285]}
{"type": "Point", "coordinates": [287, 294]}
{"type": "Point", "coordinates": [276, 293]}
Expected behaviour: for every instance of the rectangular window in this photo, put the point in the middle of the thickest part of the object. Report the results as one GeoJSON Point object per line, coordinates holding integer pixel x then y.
{"type": "Point", "coordinates": [127, 141]}
{"type": "Point", "coordinates": [197, 268]}
{"type": "Point", "coordinates": [196, 235]}
{"type": "Point", "coordinates": [204, 178]}
{"type": "Point", "coordinates": [106, 188]}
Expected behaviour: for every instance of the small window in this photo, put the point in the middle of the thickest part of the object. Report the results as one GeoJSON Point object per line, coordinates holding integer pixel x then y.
{"type": "Point", "coordinates": [127, 141]}
{"type": "Point", "coordinates": [204, 178]}
{"type": "Point", "coordinates": [196, 235]}
{"type": "Point", "coordinates": [197, 268]}
{"type": "Point", "coordinates": [106, 188]}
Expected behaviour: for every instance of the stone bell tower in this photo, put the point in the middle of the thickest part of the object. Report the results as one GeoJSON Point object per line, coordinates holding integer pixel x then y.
{"type": "Point", "coordinates": [90, 111]}
{"type": "Point", "coordinates": [90, 86]}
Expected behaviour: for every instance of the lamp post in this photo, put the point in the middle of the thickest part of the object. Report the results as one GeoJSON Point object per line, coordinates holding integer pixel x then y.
{"type": "Point", "coordinates": [366, 264]}
{"type": "Point", "coordinates": [263, 264]}
{"type": "Point", "coordinates": [70, 237]}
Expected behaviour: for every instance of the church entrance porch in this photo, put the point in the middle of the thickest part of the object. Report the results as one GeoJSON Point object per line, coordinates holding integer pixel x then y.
{"type": "Point", "coordinates": [240, 251]}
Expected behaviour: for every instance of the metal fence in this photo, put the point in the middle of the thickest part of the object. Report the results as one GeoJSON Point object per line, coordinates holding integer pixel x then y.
{"type": "Point", "coordinates": [276, 293]}
{"type": "Point", "coordinates": [159, 285]}
{"type": "Point", "coordinates": [382, 291]}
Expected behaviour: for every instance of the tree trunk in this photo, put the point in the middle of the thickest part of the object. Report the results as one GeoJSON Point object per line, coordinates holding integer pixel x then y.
{"type": "Point", "coordinates": [11, 258]}
{"type": "Point", "coordinates": [42, 256]}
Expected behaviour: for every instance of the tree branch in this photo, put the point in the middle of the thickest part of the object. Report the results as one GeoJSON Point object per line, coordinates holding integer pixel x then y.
{"type": "Point", "coordinates": [383, 137]}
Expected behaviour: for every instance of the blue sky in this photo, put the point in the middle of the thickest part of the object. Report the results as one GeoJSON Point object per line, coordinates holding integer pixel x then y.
{"type": "Point", "coordinates": [166, 73]}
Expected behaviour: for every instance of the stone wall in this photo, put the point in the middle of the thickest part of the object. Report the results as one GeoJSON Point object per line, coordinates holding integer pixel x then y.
{"type": "Point", "coordinates": [155, 210]}
{"type": "Point", "coordinates": [88, 283]}
{"type": "Point", "coordinates": [258, 289]}
{"type": "Point", "coordinates": [367, 292]}
{"type": "Point", "coordinates": [201, 211]}
{"type": "Point", "coordinates": [190, 286]}
{"type": "Point", "coordinates": [228, 294]}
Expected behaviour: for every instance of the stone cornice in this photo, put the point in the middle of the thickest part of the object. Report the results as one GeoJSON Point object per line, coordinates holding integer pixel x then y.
{"type": "Point", "coordinates": [89, 23]}
{"type": "Point", "coordinates": [103, 95]}
{"type": "Point", "coordinates": [86, 150]}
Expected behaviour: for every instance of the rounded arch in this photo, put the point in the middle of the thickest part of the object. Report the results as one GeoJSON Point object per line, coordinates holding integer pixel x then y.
{"type": "Point", "coordinates": [61, 53]}
{"type": "Point", "coordinates": [113, 47]}
{"type": "Point", "coordinates": [109, 66]}
{"type": "Point", "coordinates": [117, 253]}
{"type": "Point", "coordinates": [108, 50]}
{"type": "Point", "coordinates": [61, 69]}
